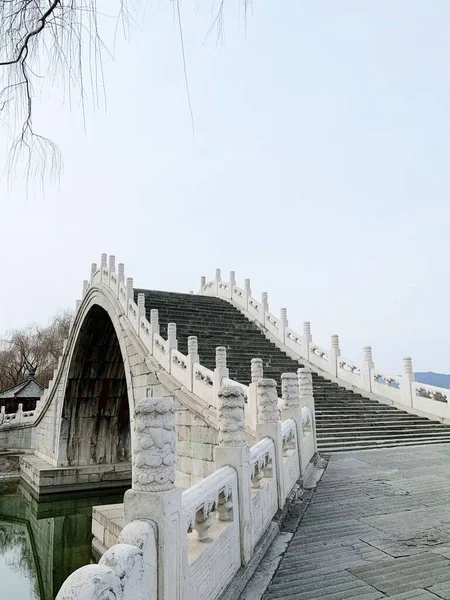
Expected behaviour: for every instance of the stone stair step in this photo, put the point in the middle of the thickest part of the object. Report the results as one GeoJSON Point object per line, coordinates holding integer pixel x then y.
{"type": "Point", "coordinates": [345, 419]}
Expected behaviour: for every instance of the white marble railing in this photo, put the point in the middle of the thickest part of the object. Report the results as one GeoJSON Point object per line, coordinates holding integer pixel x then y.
{"type": "Point", "coordinates": [206, 533]}
{"type": "Point", "coordinates": [291, 465]}
{"type": "Point", "coordinates": [349, 371]}
{"type": "Point", "coordinates": [387, 386]}
{"type": "Point", "coordinates": [363, 376]}
{"type": "Point", "coordinates": [210, 513]}
{"type": "Point", "coordinates": [20, 417]}
{"type": "Point", "coordinates": [318, 356]}
{"type": "Point", "coordinates": [127, 571]}
{"type": "Point", "coordinates": [427, 398]}
{"type": "Point", "coordinates": [264, 486]}
{"type": "Point", "coordinates": [203, 383]}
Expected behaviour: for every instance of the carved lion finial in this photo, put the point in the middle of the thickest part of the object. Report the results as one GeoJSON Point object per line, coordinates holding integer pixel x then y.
{"type": "Point", "coordinates": [154, 443]}
{"type": "Point", "coordinates": [289, 390]}
{"type": "Point", "coordinates": [230, 410]}
{"type": "Point", "coordinates": [267, 401]}
{"type": "Point", "coordinates": [305, 386]}
{"type": "Point", "coordinates": [221, 357]}
{"type": "Point", "coordinates": [257, 369]}
{"type": "Point", "coordinates": [192, 344]}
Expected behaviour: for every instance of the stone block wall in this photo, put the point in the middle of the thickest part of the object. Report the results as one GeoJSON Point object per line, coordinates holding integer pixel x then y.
{"type": "Point", "coordinates": [195, 446]}
{"type": "Point", "coordinates": [15, 438]}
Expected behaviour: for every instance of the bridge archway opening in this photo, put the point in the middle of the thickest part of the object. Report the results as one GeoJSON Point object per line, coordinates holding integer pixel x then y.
{"type": "Point", "coordinates": [95, 417]}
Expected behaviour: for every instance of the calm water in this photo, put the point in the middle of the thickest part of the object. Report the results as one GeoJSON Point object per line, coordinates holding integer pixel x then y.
{"type": "Point", "coordinates": [41, 543]}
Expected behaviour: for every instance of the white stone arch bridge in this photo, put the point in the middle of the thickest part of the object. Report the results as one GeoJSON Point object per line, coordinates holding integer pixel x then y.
{"type": "Point", "coordinates": [113, 357]}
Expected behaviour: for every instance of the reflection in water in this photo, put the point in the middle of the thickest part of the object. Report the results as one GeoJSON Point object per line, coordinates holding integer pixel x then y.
{"type": "Point", "coordinates": [17, 569]}
{"type": "Point", "coordinates": [42, 543]}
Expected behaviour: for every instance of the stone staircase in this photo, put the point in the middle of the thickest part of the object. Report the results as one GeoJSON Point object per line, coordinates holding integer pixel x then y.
{"type": "Point", "coordinates": [345, 420]}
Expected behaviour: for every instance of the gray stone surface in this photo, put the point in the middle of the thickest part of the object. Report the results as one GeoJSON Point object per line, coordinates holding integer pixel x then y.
{"type": "Point", "coordinates": [378, 526]}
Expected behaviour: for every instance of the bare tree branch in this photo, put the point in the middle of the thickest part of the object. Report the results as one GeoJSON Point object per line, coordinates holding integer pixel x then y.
{"type": "Point", "coordinates": [34, 348]}
{"type": "Point", "coordinates": [55, 41]}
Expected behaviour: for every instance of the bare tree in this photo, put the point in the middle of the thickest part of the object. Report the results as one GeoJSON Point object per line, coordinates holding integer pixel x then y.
{"type": "Point", "coordinates": [51, 41]}
{"type": "Point", "coordinates": [59, 42]}
{"type": "Point", "coordinates": [34, 348]}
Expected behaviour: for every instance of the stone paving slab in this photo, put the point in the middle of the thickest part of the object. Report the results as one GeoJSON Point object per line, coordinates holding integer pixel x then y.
{"type": "Point", "coordinates": [442, 590]}
{"type": "Point", "coordinates": [415, 595]}
{"type": "Point", "coordinates": [377, 527]}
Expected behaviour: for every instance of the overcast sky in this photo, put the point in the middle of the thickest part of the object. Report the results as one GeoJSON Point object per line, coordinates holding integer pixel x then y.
{"type": "Point", "coordinates": [319, 168]}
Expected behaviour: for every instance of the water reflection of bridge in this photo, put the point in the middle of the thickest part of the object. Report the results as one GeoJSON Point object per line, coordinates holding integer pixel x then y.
{"type": "Point", "coordinates": [50, 538]}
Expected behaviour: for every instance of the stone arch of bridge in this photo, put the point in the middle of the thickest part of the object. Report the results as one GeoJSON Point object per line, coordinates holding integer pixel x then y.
{"type": "Point", "coordinates": [97, 400]}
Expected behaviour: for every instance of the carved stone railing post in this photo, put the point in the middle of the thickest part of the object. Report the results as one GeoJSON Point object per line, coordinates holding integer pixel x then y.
{"type": "Point", "coordinates": [232, 284]}
{"type": "Point", "coordinates": [407, 379]}
{"type": "Point", "coordinates": [269, 425]}
{"type": "Point", "coordinates": [130, 291]}
{"type": "Point", "coordinates": [19, 414]}
{"type": "Point", "coordinates": [257, 372]}
{"type": "Point", "coordinates": [283, 324]}
{"type": "Point", "coordinates": [172, 342]}
{"type": "Point", "coordinates": [217, 280]}
{"type": "Point", "coordinates": [121, 273]}
{"type": "Point", "coordinates": [233, 451]}
{"type": "Point", "coordinates": [306, 397]}
{"type": "Point", "coordinates": [247, 293]}
{"type": "Point", "coordinates": [202, 285]}
{"type": "Point", "coordinates": [335, 353]}
{"type": "Point", "coordinates": [264, 308]}
{"type": "Point", "coordinates": [127, 570]}
{"type": "Point", "coordinates": [154, 321]}
{"type": "Point", "coordinates": [291, 407]}
{"type": "Point", "coordinates": [154, 495]}
{"type": "Point", "coordinates": [192, 358]}
{"type": "Point", "coordinates": [111, 264]}
{"type": "Point", "coordinates": [141, 305]}
{"type": "Point", "coordinates": [93, 271]}
{"type": "Point", "coordinates": [103, 267]}
{"type": "Point", "coordinates": [306, 339]}
{"type": "Point", "coordinates": [221, 369]}
{"type": "Point", "coordinates": [367, 369]}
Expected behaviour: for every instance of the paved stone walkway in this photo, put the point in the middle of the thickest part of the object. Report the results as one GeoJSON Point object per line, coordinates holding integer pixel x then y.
{"type": "Point", "coordinates": [378, 526]}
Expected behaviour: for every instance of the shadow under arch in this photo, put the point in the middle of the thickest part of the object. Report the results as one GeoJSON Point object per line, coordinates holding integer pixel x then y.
{"type": "Point", "coordinates": [95, 423]}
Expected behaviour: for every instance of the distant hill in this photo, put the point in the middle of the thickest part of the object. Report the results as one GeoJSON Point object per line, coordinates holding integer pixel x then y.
{"type": "Point", "coordinates": [439, 379]}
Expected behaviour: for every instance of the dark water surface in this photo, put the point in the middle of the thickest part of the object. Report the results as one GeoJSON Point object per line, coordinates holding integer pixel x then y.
{"type": "Point", "coordinates": [43, 542]}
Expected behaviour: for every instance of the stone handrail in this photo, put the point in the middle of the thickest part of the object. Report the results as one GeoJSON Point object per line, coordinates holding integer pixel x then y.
{"type": "Point", "coordinates": [210, 517]}
{"type": "Point", "coordinates": [206, 533]}
{"type": "Point", "coordinates": [185, 369]}
{"type": "Point", "coordinates": [349, 371]}
{"type": "Point", "coordinates": [20, 417]}
{"type": "Point", "coordinates": [363, 377]}
{"type": "Point", "coordinates": [265, 478]}
{"type": "Point", "coordinates": [429, 398]}
{"type": "Point", "coordinates": [128, 570]}
{"type": "Point", "coordinates": [290, 455]}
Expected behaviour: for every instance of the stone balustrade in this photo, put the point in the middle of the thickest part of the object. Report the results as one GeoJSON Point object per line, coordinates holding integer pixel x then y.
{"type": "Point", "coordinates": [20, 417]}
{"type": "Point", "coordinates": [210, 530]}
{"type": "Point", "coordinates": [204, 383]}
{"type": "Point", "coordinates": [399, 390]}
